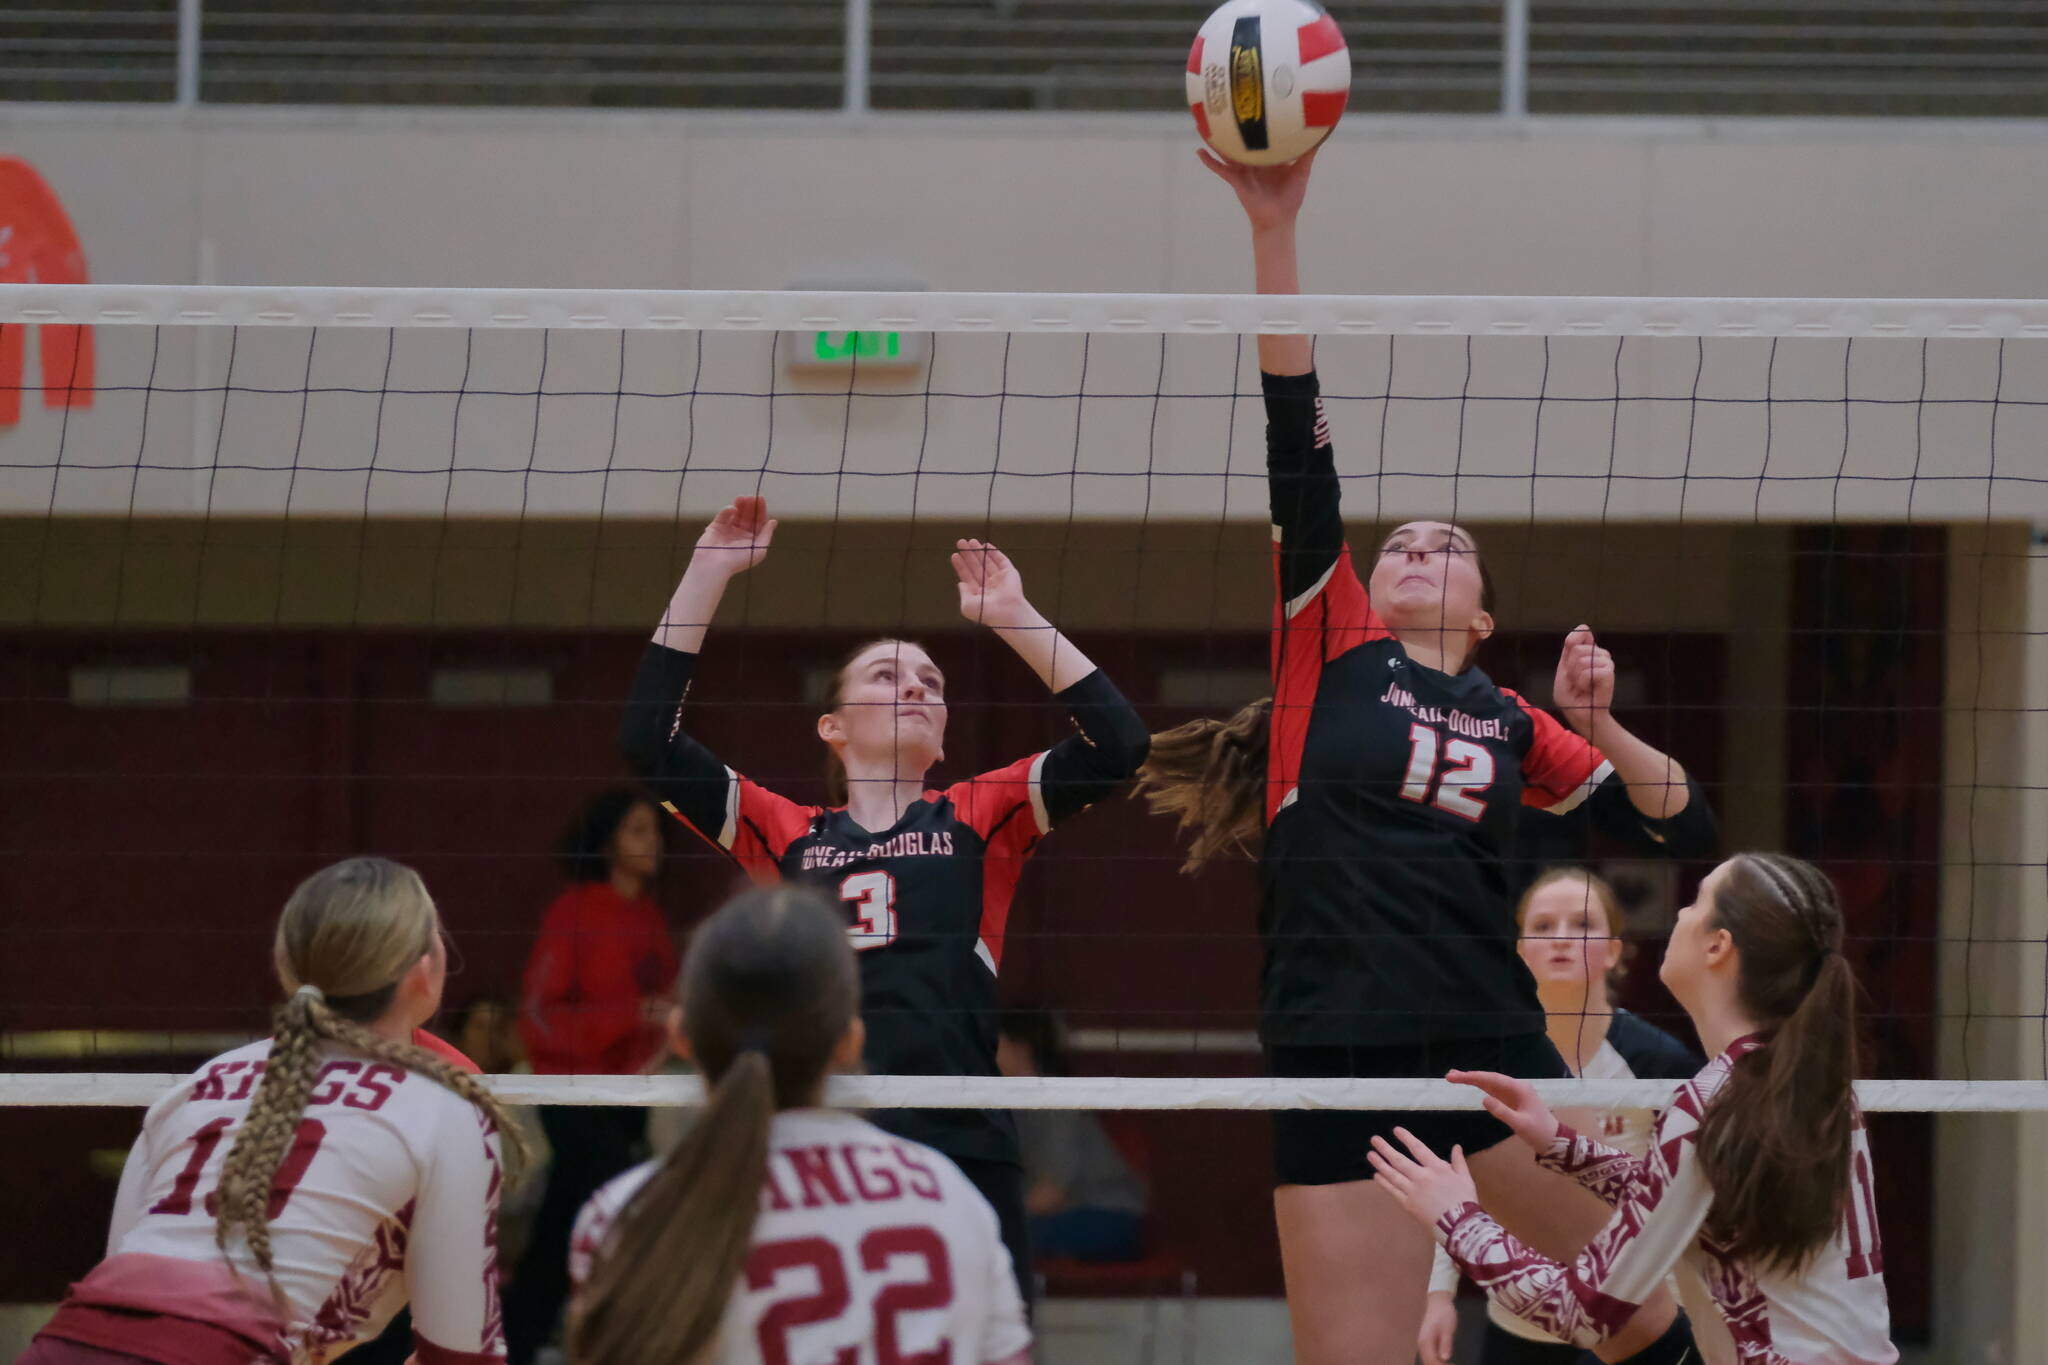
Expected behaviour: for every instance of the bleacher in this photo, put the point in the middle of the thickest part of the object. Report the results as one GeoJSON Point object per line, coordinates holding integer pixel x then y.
{"type": "Point", "coordinates": [1734, 57]}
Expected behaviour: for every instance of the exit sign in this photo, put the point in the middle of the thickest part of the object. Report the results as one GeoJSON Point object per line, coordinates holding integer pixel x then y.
{"type": "Point", "coordinates": [865, 352]}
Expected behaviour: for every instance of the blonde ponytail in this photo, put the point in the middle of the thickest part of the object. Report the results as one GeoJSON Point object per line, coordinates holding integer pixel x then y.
{"type": "Point", "coordinates": [357, 927]}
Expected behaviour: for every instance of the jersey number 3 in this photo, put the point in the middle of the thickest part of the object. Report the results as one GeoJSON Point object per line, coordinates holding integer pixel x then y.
{"type": "Point", "coordinates": [1467, 773]}
{"type": "Point", "coordinates": [873, 898]}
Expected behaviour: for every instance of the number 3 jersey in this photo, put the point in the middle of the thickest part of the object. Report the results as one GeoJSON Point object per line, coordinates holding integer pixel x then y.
{"type": "Point", "coordinates": [388, 1192]}
{"type": "Point", "coordinates": [927, 900]}
{"type": "Point", "coordinates": [868, 1248]}
{"type": "Point", "coordinates": [1392, 795]}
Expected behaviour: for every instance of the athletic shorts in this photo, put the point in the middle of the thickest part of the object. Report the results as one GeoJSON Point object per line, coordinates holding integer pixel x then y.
{"type": "Point", "coordinates": [1329, 1146]}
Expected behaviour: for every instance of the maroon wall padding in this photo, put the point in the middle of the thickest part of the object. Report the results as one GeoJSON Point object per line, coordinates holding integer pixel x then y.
{"type": "Point", "coordinates": [147, 851]}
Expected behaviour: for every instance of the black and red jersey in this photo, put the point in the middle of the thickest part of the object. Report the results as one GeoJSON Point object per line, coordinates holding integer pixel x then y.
{"type": "Point", "coordinates": [1392, 795]}
{"type": "Point", "coordinates": [927, 900]}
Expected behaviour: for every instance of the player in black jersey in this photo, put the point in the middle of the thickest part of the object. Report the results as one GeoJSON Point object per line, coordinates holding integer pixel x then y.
{"type": "Point", "coordinates": [1381, 782]}
{"type": "Point", "coordinates": [926, 876]}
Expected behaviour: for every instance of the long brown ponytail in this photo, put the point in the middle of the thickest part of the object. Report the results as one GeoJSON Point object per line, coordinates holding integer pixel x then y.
{"type": "Point", "coordinates": [769, 988]}
{"type": "Point", "coordinates": [1211, 775]}
{"type": "Point", "coordinates": [1775, 1142]}
{"type": "Point", "coordinates": [346, 937]}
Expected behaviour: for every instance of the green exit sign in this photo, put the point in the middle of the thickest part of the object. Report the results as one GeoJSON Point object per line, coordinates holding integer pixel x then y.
{"type": "Point", "coordinates": [865, 352]}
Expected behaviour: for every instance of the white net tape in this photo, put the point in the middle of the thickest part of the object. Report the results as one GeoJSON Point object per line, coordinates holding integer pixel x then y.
{"type": "Point", "coordinates": [1853, 412]}
{"type": "Point", "coordinates": [1195, 314]}
{"type": "Point", "coordinates": [123, 1089]}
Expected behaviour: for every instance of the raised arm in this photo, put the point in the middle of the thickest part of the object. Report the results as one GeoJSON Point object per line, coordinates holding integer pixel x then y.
{"type": "Point", "coordinates": [1113, 740]}
{"type": "Point", "coordinates": [1301, 470]}
{"type": "Point", "coordinates": [1272, 197]}
{"type": "Point", "coordinates": [992, 595]}
{"type": "Point", "coordinates": [690, 781]}
{"type": "Point", "coordinates": [1657, 784]}
{"type": "Point", "coordinates": [735, 541]}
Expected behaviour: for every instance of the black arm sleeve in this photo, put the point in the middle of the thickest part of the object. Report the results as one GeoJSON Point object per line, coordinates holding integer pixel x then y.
{"type": "Point", "coordinates": [1082, 769]}
{"type": "Point", "coordinates": [1650, 1052]}
{"type": "Point", "coordinates": [679, 770]}
{"type": "Point", "coordinates": [1301, 480]}
{"type": "Point", "coordinates": [1692, 833]}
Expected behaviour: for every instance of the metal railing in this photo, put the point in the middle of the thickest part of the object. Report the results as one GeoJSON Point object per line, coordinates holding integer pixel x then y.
{"type": "Point", "coordinates": [1951, 57]}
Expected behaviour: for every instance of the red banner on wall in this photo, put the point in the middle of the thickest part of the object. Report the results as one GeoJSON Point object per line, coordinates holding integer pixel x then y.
{"type": "Point", "coordinates": [38, 245]}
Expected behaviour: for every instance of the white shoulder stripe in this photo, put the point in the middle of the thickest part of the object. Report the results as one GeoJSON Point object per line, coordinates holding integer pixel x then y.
{"type": "Point", "coordinates": [732, 810]}
{"type": "Point", "coordinates": [1297, 603]}
{"type": "Point", "coordinates": [988, 959]}
{"type": "Point", "coordinates": [1031, 784]}
{"type": "Point", "coordinates": [1583, 790]}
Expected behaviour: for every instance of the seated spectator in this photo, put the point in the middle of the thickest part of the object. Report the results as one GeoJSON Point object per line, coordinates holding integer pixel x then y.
{"type": "Point", "coordinates": [1084, 1200]}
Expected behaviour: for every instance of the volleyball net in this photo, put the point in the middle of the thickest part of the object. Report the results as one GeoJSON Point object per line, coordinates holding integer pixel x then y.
{"type": "Point", "coordinates": [295, 573]}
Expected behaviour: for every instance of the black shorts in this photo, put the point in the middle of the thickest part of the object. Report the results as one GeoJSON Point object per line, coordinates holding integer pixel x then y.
{"type": "Point", "coordinates": [1329, 1146]}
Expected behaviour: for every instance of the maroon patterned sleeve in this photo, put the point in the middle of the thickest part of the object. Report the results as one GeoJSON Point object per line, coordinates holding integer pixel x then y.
{"type": "Point", "coordinates": [1657, 1216]}
{"type": "Point", "coordinates": [1602, 1169]}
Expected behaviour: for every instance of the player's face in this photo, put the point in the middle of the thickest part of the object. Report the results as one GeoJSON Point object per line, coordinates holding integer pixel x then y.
{"type": "Point", "coordinates": [1565, 935]}
{"type": "Point", "coordinates": [1688, 956]}
{"type": "Point", "coordinates": [636, 844]}
{"type": "Point", "coordinates": [1427, 578]}
{"type": "Point", "coordinates": [892, 700]}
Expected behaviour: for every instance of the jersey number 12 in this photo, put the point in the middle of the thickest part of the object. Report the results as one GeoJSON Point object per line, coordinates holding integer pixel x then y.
{"type": "Point", "coordinates": [1467, 773]}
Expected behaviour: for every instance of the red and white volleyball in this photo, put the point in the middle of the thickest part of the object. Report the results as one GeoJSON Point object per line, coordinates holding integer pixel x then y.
{"type": "Point", "coordinates": [1267, 79]}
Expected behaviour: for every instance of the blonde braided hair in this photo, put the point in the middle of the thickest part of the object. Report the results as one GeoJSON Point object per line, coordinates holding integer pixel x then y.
{"type": "Point", "coordinates": [348, 934]}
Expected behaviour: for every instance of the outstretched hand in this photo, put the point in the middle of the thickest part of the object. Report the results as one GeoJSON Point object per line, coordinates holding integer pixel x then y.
{"type": "Point", "coordinates": [1271, 195]}
{"type": "Point", "coordinates": [737, 538]}
{"type": "Point", "coordinates": [1584, 690]}
{"type": "Point", "coordinates": [1422, 1182]}
{"type": "Point", "coordinates": [991, 589]}
{"type": "Point", "coordinates": [1515, 1103]}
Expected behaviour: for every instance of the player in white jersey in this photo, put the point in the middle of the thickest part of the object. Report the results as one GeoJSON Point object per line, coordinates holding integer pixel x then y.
{"type": "Point", "coordinates": [1758, 1175]}
{"type": "Point", "coordinates": [779, 1232]}
{"type": "Point", "coordinates": [290, 1196]}
{"type": "Point", "coordinates": [1570, 926]}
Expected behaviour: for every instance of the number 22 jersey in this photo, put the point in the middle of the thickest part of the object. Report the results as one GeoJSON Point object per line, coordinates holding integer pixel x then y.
{"type": "Point", "coordinates": [867, 1247]}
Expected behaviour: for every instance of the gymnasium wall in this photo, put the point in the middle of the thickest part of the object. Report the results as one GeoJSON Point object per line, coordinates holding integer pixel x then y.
{"type": "Point", "coordinates": [1051, 203]}
{"type": "Point", "coordinates": [1451, 206]}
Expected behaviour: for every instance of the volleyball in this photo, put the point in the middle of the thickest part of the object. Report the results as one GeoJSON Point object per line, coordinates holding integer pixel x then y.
{"type": "Point", "coordinates": [1267, 79]}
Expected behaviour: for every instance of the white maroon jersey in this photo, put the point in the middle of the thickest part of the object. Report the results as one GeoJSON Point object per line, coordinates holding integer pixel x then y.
{"type": "Point", "coordinates": [868, 1248]}
{"type": "Point", "coordinates": [1632, 1050]}
{"type": "Point", "coordinates": [1832, 1312]}
{"type": "Point", "coordinates": [389, 1193]}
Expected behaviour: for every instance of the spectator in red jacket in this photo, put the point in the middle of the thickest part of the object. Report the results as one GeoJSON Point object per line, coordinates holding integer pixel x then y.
{"type": "Point", "coordinates": [39, 245]}
{"type": "Point", "coordinates": [598, 990]}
